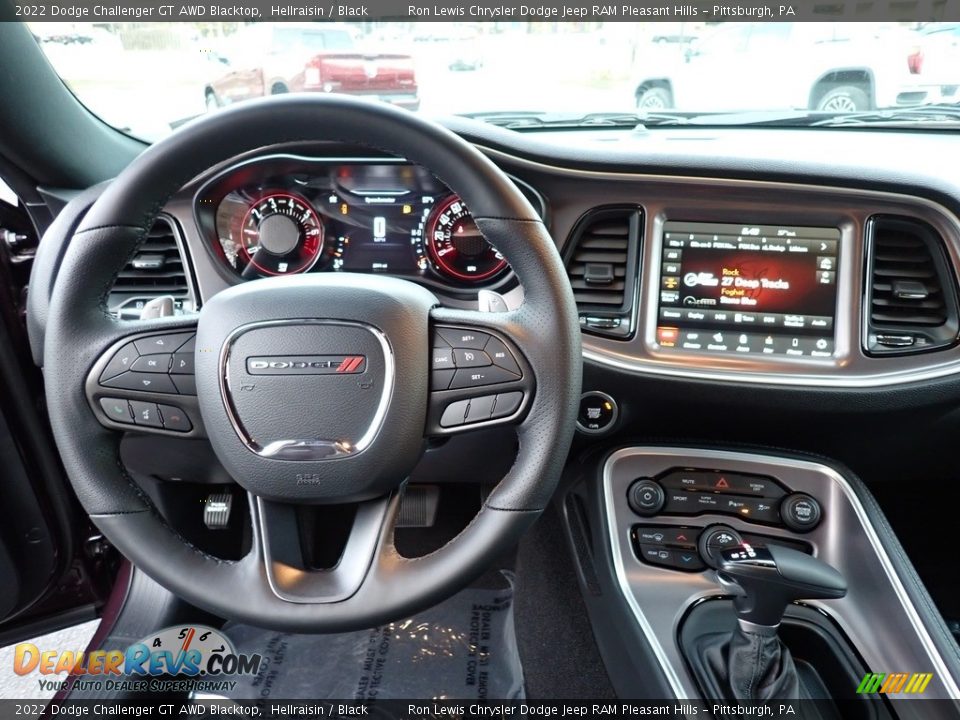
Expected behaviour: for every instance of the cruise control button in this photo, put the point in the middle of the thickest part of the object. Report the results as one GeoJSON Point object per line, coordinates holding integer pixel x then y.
{"type": "Point", "coordinates": [501, 356]}
{"type": "Point", "coordinates": [470, 358]}
{"type": "Point", "coordinates": [116, 409]}
{"type": "Point", "coordinates": [147, 382]}
{"type": "Point", "coordinates": [174, 419]}
{"type": "Point", "coordinates": [480, 408]}
{"type": "Point", "coordinates": [507, 404]}
{"type": "Point", "coordinates": [121, 361]}
{"type": "Point", "coordinates": [463, 338]}
{"type": "Point", "coordinates": [186, 384]}
{"type": "Point", "coordinates": [162, 343]}
{"type": "Point", "coordinates": [182, 364]}
{"type": "Point", "coordinates": [152, 363]}
{"type": "Point", "coordinates": [440, 379]}
{"type": "Point", "coordinates": [145, 413]}
{"type": "Point", "coordinates": [455, 414]}
{"type": "Point", "coordinates": [442, 358]}
{"type": "Point", "coordinates": [477, 377]}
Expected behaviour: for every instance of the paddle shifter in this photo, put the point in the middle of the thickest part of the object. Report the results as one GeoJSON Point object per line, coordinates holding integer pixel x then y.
{"type": "Point", "coordinates": [751, 663]}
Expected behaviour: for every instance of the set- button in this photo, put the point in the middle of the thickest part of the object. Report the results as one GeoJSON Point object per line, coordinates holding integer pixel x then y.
{"type": "Point", "coordinates": [158, 363]}
{"type": "Point", "coordinates": [465, 358]}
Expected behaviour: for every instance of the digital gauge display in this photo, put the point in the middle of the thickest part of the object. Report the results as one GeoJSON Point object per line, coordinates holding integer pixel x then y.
{"type": "Point", "coordinates": [369, 218]}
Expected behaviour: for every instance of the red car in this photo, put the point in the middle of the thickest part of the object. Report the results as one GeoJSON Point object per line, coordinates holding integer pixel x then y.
{"type": "Point", "coordinates": [294, 57]}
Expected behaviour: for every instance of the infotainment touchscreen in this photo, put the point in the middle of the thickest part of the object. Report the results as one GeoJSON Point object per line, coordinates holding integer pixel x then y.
{"type": "Point", "coordinates": [748, 289]}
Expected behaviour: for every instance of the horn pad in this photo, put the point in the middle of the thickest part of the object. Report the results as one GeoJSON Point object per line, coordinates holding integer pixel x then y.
{"type": "Point", "coordinates": [306, 407]}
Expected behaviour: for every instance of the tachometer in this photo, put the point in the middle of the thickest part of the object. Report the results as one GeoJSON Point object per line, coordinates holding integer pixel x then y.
{"type": "Point", "coordinates": [456, 246]}
{"type": "Point", "coordinates": [281, 234]}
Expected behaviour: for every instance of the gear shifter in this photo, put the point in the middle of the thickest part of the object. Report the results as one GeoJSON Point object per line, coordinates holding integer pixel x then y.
{"type": "Point", "coordinates": [751, 663]}
{"type": "Point", "coordinates": [764, 580]}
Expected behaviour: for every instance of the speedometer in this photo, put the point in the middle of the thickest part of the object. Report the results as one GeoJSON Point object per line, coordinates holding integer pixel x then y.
{"type": "Point", "coordinates": [456, 246]}
{"type": "Point", "coordinates": [281, 234]}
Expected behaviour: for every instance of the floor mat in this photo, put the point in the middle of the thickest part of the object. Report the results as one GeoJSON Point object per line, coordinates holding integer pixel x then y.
{"type": "Point", "coordinates": [464, 648]}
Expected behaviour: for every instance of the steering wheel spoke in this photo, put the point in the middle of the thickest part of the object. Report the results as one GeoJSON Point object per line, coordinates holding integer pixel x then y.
{"type": "Point", "coordinates": [144, 381]}
{"type": "Point", "coordinates": [478, 375]}
{"type": "Point", "coordinates": [302, 567]}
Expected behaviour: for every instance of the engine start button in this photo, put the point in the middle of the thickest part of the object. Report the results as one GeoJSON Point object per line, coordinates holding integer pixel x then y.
{"type": "Point", "coordinates": [598, 413]}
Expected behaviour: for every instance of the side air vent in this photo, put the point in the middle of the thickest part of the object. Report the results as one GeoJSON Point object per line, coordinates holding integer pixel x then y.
{"type": "Point", "coordinates": [603, 264]}
{"type": "Point", "coordinates": [911, 292]}
{"type": "Point", "coordinates": [156, 270]}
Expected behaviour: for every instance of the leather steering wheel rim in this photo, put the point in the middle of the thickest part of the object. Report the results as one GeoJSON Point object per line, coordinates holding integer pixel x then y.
{"type": "Point", "coordinates": [80, 330]}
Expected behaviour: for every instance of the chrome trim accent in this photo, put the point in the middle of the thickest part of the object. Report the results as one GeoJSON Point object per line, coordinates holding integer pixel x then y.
{"type": "Point", "coordinates": [670, 593]}
{"type": "Point", "coordinates": [850, 368]}
{"type": "Point", "coordinates": [307, 449]}
{"type": "Point", "coordinates": [324, 586]}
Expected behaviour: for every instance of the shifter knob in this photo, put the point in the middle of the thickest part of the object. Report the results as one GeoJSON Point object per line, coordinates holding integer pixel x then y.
{"type": "Point", "coordinates": [764, 580]}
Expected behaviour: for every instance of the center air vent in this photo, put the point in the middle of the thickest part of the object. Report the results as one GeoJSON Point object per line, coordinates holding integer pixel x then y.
{"type": "Point", "coordinates": [156, 270]}
{"type": "Point", "coordinates": [602, 261]}
{"type": "Point", "coordinates": [911, 292]}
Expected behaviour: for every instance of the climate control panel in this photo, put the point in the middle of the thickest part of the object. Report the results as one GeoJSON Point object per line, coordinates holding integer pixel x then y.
{"type": "Point", "coordinates": [693, 492]}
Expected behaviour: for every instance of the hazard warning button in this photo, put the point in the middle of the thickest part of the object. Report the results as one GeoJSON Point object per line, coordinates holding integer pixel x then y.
{"type": "Point", "coordinates": [717, 481]}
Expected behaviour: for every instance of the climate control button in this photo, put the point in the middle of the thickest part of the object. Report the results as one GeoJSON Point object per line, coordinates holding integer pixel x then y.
{"type": "Point", "coordinates": [645, 497]}
{"type": "Point", "coordinates": [800, 512]}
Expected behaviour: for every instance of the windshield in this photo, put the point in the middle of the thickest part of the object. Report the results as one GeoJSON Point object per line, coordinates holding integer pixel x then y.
{"type": "Point", "coordinates": [148, 78]}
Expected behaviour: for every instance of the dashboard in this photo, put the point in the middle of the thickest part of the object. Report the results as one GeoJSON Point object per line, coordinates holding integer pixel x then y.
{"type": "Point", "coordinates": [791, 283]}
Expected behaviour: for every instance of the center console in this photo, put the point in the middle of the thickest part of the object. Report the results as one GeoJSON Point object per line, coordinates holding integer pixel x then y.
{"type": "Point", "coordinates": [672, 516]}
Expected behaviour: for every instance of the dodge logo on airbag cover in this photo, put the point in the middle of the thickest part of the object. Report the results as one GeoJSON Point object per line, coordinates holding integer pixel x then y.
{"type": "Point", "coordinates": [307, 365]}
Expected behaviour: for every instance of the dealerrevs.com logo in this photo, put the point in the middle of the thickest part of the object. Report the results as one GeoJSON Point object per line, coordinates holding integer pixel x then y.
{"type": "Point", "coordinates": [198, 657]}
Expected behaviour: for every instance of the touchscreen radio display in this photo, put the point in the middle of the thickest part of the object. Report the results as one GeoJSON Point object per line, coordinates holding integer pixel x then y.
{"type": "Point", "coordinates": [748, 289]}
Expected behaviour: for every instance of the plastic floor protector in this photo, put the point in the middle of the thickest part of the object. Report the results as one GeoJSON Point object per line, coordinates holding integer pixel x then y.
{"type": "Point", "coordinates": [464, 648]}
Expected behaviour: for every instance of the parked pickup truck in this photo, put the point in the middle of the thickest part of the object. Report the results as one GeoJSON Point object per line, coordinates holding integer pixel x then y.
{"type": "Point", "coordinates": [832, 67]}
{"type": "Point", "coordinates": [291, 57]}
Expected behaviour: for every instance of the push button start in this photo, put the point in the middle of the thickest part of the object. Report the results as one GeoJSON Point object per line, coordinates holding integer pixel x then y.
{"type": "Point", "coordinates": [598, 413]}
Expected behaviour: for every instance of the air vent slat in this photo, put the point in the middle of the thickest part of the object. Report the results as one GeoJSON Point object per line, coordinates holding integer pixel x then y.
{"type": "Point", "coordinates": [157, 268]}
{"type": "Point", "coordinates": [911, 289]}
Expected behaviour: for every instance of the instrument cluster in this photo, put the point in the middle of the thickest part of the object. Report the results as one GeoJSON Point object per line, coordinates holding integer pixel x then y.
{"type": "Point", "coordinates": [284, 215]}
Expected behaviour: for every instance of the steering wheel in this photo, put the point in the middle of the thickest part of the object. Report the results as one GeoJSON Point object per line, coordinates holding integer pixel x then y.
{"type": "Point", "coordinates": [316, 389]}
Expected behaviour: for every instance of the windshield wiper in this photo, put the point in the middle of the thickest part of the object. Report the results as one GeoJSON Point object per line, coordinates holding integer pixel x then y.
{"type": "Point", "coordinates": [947, 114]}
{"type": "Point", "coordinates": [557, 120]}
